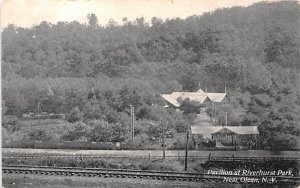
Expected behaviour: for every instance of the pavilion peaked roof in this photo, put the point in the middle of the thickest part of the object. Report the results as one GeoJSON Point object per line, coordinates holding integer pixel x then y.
{"type": "Point", "coordinates": [198, 96]}
{"type": "Point", "coordinates": [209, 130]}
{"type": "Point", "coordinates": [216, 97]}
{"type": "Point", "coordinates": [240, 129]}
{"type": "Point", "coordinates": [193, 96]}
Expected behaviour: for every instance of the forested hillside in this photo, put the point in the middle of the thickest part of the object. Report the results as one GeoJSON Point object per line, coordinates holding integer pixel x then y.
{"type": "Point", "coordinates": [93, 73]}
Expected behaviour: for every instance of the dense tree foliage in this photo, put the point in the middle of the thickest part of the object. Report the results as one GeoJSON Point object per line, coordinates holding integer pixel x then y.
{"type": "Point", "coordinates": [188, 106]}
{"type": "Point", "coordinates": [90, 72]}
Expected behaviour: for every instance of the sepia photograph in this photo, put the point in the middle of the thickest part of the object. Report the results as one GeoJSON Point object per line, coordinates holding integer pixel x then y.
{"type": "Point", "coordinates": [150, 93]}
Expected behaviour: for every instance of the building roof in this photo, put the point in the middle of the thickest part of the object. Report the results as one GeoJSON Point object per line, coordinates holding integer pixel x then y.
{"type": "Point", "coordinates": [198, 96]}
{"type": "Point", "coordinates": [205, 131]}
{"type": "Point", "coordinates": [209, 130]}
{"type": "Point", "coordinates": [241, 129]}
{"type": "Point", "coordinates": [216, 97]}
{"type": "Point", "coordinates": [200, 91]}
{"type": "Point", "coordinates": [193, 96]}
{"type": "Point", "coordinates": [171, 99]}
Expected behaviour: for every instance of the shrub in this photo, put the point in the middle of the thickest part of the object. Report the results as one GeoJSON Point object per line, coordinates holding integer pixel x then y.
{"type": "Point", "coordinates": [74, 115]}
{"type": "Point", "coordinates": [278, 141]}
{"type": "Point", "coordinates": [189, 106]}
{"type": "Point", "coordinates": [154, 131]}
{"type": "Point", "coordinates": [79, 131]}
{"type": "Point", "coordinates": [39, 135]}
{"type": "Point", "coordinates": [181, 126]}
{"type": "Point", "coordinates": [10, 123]}
{"type": "Point", "coordinates": [108, 132]}
{"type": "Point", "coordinates": [141, 140]}
{"type": "Point", "coordinates": [182, 145]}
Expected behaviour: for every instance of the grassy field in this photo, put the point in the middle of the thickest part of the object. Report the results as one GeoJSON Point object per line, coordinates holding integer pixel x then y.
{"type": "Point", "coordinates": [145, 153]}
{"type": "Point", "coordinates": [58, 127]}
{"type": "Point", "coordinates": [176, 165]}
{"type": "Point", "coordinates": [55, 127]}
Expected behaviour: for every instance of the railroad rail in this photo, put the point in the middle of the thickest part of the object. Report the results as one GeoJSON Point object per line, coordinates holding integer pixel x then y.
{"type": "Point", "coordinates": [208, 158]}
{"type": "Point", "coordinates": [141, 174]}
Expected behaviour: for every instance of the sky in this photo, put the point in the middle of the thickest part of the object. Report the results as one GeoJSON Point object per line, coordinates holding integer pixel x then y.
{"type": "Point", "coordinates": [26, 13]}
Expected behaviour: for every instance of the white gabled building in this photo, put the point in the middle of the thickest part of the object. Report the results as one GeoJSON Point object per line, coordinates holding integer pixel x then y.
{"type": "Point", "coordinates": [173, 100]}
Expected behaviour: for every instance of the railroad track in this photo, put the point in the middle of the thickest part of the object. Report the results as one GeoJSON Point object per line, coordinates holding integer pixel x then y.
{"type": "Point", "coordinates": [138, 174]}
{"type": "Point", "coordinates": [208, 158]}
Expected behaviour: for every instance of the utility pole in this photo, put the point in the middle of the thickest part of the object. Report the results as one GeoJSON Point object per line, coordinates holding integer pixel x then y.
{"type": "Point", "coordinates": [39, 107]}
{"type": "Point", "coordinates": [225, 118]}
{"type": "Point", "coordinates": [221, 121]}
{"type": "Point", "coordinates": [234, 142]}
{"type": "Point", "coordinates": [214, 112]}
{"type": "Point", "coordinates": [186, 150]}
{"type": "Point", "coordinates": [163, 140]}
{"type": "Point", "coordinates": [132, 123]}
